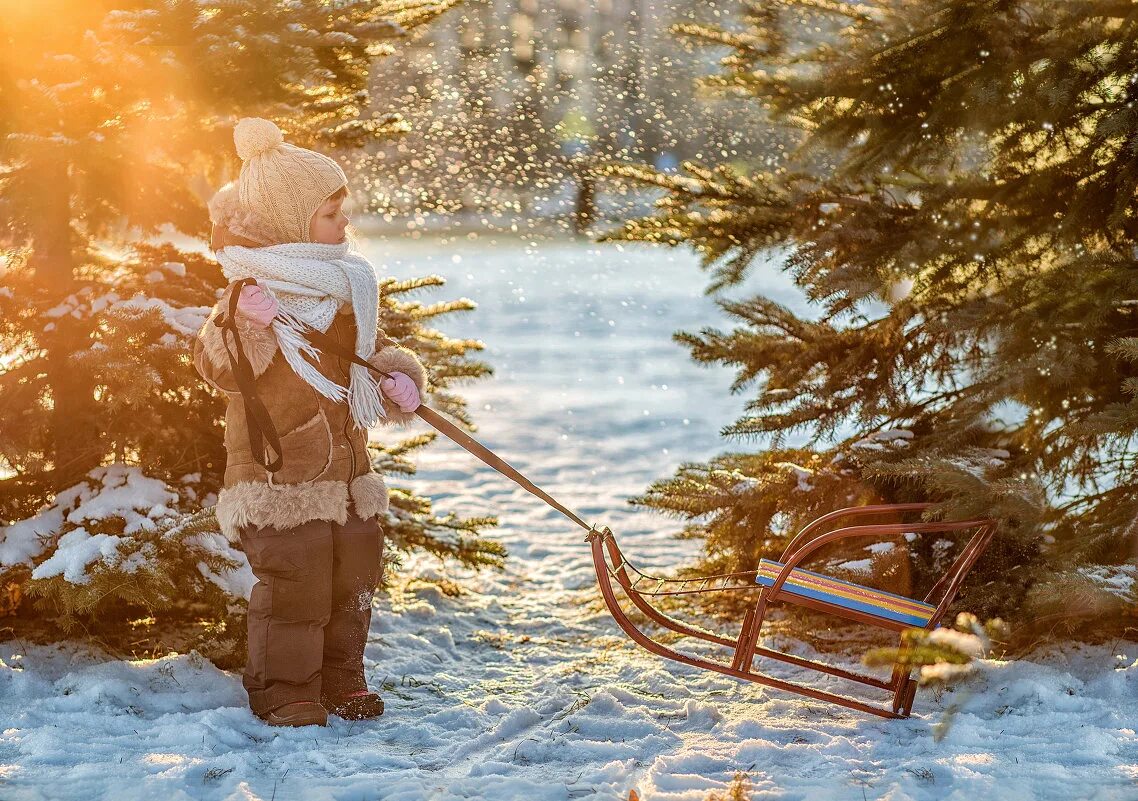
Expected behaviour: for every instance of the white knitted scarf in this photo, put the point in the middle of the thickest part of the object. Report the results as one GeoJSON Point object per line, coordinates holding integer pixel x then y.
{"type": "Point", "coordinates": [311, 280]}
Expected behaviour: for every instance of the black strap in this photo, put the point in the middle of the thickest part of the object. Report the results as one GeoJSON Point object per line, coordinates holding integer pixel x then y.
{"type": "Point", "coordinates": [257, 419]}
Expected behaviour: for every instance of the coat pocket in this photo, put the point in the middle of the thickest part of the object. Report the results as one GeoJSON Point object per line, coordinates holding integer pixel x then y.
{"type": "Point", "coordinates": [306, 452]}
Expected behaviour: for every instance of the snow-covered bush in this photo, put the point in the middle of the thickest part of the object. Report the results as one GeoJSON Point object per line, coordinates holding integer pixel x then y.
{"type": "Point", "coordinates": [120, 535]}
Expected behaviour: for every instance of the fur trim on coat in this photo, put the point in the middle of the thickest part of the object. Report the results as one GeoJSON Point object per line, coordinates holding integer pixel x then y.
{"type": "Point", "coordinates": [283, 506]}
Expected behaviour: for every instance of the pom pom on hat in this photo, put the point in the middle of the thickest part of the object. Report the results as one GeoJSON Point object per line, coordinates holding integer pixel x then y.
{"type": "Point", "coordinates": [254, 135]}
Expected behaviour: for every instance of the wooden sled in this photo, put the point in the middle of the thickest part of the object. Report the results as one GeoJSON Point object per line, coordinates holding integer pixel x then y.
{"type": "Point", "coordinates": [785, 581]}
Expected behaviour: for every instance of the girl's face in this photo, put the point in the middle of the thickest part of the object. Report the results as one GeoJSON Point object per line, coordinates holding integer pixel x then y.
{"type": "Point", "coordinates": [329, 223]}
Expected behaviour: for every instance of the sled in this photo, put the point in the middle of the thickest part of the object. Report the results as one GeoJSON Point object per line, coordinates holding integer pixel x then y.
{"type": "Point", "coordinates": [785, 581]}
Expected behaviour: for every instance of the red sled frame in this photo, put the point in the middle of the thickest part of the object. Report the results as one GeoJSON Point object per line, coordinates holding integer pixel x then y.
{"type": "Point", "coordinates": [612, 567]}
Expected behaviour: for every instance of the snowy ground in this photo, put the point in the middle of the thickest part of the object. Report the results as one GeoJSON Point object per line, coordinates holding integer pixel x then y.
{"type": "Point", "coordinates": [523, 687]}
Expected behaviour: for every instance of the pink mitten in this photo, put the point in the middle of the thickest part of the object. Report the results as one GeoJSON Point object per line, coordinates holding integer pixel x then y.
{"type": "Point", "coordinates": [401, 389]}
{"type": "Point", "coordinates": [256, 305]}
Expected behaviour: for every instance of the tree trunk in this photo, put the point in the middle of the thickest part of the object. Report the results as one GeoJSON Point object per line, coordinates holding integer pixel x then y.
{"type": "Point", "coordinates": [75, 445]}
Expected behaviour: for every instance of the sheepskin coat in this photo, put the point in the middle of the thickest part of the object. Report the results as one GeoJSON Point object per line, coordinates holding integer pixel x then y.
{"type": "Point", "coordinates": [325, 458]}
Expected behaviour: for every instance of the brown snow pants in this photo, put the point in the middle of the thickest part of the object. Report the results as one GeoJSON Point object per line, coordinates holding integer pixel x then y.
{"type": "Point", "coordinates": [310, 610]}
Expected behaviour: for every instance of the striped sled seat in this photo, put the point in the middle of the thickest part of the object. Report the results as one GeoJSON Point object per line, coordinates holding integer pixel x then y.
{"type": "Point", "coordinates": [810, 586]}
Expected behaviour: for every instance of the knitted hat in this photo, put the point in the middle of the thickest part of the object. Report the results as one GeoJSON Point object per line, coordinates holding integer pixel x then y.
{"type": "Point", "coordinates": [281, 185]}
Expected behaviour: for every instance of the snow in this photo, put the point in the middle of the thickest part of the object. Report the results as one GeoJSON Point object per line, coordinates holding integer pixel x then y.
{"type": "Point", "coordinates": [858, 565]}
{"type": "Point", "coordinates": [524, 687]}
{"type": "Point", "coordinates": [185, 320]}
{"type": "Point", "coordinates": [894, 436]}
{"type": "Point", "coordinates": [75, 551]}
{"type": "Point", "coordinates": [866, 565]}
{"type": "Point", "coordinates": [126, 492]}
{"type": "Point", "coordinates": [1120, 580]}
{"type": "Point", "coordinates": [944, 671]}
{"type": "Point", "coordinates": [551, 718]}
{"type": "Point", "coordinates": [802, 475]}
{"type": "Point", "coordinates": [24, 540]}
{"type": "Point", "coordinates": [115, 490]}
{"type": "Point", "coordinates": [745, 485]}
{"type": "Point", "coordinates": [958, 640]}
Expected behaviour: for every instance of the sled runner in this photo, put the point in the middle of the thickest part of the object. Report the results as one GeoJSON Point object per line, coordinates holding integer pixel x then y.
{"type": "Point", "coordinates": [782, 581]}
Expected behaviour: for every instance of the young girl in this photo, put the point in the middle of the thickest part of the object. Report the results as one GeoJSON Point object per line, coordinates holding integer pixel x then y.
{"type": "Point", "coordinates": [312, 529]}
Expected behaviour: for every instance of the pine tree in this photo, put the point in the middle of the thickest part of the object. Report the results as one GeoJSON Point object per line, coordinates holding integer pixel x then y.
{"type": "Point", "coordinates": [117, 125]}
{"type": "Point", "coordinates": [958, 210]}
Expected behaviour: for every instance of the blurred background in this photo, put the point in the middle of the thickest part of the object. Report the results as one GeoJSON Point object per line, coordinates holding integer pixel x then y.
{"type": "Point", "coordinates": [512, 98]}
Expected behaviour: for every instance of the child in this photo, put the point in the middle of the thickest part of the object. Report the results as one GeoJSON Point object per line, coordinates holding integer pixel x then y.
{"type": "Point", "coordinates": [311, 530]}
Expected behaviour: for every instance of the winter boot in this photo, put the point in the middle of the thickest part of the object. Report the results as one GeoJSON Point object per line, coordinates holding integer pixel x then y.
{"type": "Point", "coordinates": [297, 713]}
{"type": "Point", "coordinates": [360, 705]}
